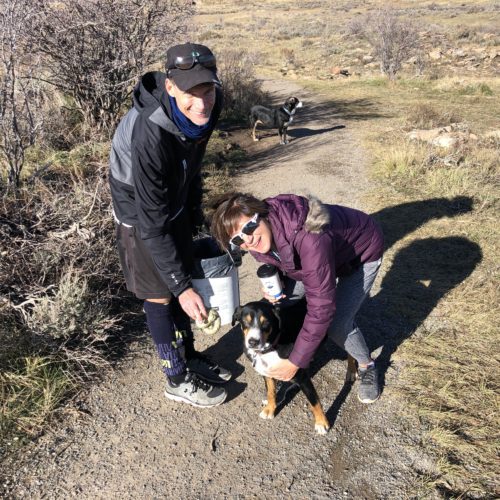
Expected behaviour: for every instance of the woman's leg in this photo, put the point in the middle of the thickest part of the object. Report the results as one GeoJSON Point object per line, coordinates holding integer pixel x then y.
{"type": "Point", "coordinates": [351, 292]}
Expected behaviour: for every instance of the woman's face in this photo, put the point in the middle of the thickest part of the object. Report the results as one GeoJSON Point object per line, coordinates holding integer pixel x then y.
{"type": "Point", "coordinates": [260, 240]}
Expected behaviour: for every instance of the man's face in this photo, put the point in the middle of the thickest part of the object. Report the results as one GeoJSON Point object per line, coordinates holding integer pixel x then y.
{"type": "Point", "coordinates": [196, 103]}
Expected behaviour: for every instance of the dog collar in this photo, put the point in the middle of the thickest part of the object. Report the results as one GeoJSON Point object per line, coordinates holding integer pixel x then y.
{"type": "Point", "coordinates": [289, 113]}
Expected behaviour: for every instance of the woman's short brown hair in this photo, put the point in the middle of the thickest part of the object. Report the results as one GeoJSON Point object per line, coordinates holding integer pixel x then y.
{"type": "Point", "coordinates": [227, 211]}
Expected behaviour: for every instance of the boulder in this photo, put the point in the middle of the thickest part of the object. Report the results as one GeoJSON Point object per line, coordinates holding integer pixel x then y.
{"type": "Point", "coordinates": [446, 140]}
{"type": "Point", "coordinates": [444, 137]}
{"type": "Point", "coordinates": [423, 135]}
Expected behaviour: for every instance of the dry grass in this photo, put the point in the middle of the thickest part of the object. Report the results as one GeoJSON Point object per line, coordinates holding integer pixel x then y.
{"type": "Point", "coordinates": [58, 275]}
{"type": "Point", "coordinates": [451, 361]}
{"type": "Point", "coordinates": [452, 385]}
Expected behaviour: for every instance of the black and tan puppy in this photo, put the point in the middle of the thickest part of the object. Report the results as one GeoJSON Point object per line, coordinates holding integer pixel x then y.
{"type": "Point", "coordinates": [279, 118]}
{"type": "Point", "coordinates": [265, 332]}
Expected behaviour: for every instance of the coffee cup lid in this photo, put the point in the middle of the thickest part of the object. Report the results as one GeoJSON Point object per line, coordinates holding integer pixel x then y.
{"type": "Point", "coordinates": [266, 271]}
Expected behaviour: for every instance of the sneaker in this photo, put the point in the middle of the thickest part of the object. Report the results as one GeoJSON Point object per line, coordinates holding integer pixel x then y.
{"type": "Point", "coordinates": [369, 390]}
{"type": "Point", "coordinates": [196, 392]}
{"type": "Point", "coordinates": [206, 369]}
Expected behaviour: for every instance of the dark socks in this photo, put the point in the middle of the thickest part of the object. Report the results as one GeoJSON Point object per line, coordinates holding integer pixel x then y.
{"type": "Point", "coordinates": [167, 338]}
{"type": "Point", "coordinates": [177, 379]}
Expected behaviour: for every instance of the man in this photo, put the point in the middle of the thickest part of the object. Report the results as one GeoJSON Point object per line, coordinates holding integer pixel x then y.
{"type": "Point", "coordinates": [155, 182]}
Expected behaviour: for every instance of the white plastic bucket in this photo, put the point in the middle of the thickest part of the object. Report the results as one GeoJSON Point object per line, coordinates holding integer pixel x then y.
{"type": "Point", "coordinates": [215, 278]}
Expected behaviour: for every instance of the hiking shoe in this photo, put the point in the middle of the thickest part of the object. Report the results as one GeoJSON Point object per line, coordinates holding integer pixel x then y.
{"type": "Point", "coordinates": [206, 369]}
{"type": "Point", "coordinates": [195, 392]}
{"type": "Point", "coordinates": [369, 390]}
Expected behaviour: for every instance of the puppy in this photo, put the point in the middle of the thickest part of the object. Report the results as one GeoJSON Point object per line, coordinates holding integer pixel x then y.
{"type": "Point", "coordinates": [267, 335]}
{"type": "Point", "coordinates": [279, 118]}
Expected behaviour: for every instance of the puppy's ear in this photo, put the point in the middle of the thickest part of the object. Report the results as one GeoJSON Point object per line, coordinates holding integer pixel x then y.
{"type": "Point", "coordinates": [236, 315]}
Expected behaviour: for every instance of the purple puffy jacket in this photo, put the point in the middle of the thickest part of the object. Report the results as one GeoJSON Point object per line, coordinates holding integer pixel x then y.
{"type": "Point", "coordinates": [316, 243]}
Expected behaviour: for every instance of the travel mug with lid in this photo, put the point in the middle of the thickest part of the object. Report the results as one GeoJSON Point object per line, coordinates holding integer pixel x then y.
{"type": "Point", "coordinates": [270, 279]}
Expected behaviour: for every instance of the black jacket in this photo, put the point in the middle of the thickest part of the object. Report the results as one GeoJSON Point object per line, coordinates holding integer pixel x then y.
{"type": "Point", "coordinates": [155, 179]}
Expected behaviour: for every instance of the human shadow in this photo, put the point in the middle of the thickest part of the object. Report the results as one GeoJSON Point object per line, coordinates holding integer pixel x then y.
{"type": "Point", "coordinates": [421, 274]}
{"type": "Point", "coordinates": [399, 220]}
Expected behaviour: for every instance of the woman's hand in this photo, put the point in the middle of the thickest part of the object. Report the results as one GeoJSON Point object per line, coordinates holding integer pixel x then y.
{"type": "Point", "coordinates": [282, 370]}
{"type": "Point", "coordinates": [270, 298]}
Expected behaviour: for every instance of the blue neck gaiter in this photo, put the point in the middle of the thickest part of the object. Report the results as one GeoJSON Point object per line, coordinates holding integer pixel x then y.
{"type": "Point", "coordinates": [185, 125]}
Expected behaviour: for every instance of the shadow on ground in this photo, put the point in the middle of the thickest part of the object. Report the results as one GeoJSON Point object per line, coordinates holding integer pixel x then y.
{"type": "Point", "coordinates": [422, 273]}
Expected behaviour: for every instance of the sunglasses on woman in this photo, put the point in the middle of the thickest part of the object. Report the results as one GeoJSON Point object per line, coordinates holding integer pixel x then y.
{"type": "Point", "coordinates": [248, 228]}
{"type": "Point", "coordinates": [187, 62]}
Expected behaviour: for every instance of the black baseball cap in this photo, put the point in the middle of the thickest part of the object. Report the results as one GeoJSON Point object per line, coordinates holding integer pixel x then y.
{"type": "Point", "coordinates": [191, 64]}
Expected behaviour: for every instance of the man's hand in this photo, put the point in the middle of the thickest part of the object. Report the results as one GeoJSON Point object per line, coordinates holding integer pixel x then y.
{"type": "Point", "coordinates": [282, 370]}
{"type": "Point", "coordinates": [192, 304]}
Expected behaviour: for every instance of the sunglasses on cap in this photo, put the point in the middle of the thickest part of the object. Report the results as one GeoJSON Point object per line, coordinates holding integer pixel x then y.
{"type": "Point", "coordinates": [248, 228]}
{"type": "Point", "coordinates": [187, 62]}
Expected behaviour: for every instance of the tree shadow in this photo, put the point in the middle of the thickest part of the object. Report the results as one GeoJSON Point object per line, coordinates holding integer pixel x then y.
{"type": "Point", "coordinates": [314, 119]}
{"type": "Point", "coordinates": [296, 133]}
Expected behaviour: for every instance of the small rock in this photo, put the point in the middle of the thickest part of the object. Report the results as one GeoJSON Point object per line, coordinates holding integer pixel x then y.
{"type": "Point", "coordinates": [435, 54]}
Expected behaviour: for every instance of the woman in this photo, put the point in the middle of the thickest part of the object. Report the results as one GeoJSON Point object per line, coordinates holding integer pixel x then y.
{"type": "Point", "coordinates": [329, 253]}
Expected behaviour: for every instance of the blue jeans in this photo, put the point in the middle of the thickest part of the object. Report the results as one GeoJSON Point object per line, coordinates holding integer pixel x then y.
{"type": "Point", "coordinates": [351, 292]}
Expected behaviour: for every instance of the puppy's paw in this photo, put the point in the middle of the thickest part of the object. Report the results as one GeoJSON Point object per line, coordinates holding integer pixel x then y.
{"type": "Point", "coordinates": [321, 428]}
{"type": "Point", "coordinates": [267, 413]}
{"type": "Point", "coordinates": [256, 139]}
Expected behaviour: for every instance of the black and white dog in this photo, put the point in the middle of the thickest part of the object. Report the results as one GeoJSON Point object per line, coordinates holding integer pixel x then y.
{"type": "Point", "coordinates": [279, 118]}
{"type": "Point", "coordinates": [269, 336]}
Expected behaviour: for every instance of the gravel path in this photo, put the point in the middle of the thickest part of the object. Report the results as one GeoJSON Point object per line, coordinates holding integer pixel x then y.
{"type": "Point", "coordinates": [128, 441]}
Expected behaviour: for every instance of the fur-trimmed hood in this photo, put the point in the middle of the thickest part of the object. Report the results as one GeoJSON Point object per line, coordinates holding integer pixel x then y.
{"type": "Point", "coordinates": [296, 213]}
{"type": "Point", "coordinates": [317, 217]}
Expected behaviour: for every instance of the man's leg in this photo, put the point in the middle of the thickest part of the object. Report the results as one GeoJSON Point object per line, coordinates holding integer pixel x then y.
{"type": "Point", "coordinates": [350, 294]}
{"type": "Point", "coordinates": [168, 341]}
{"type": "Point", "coordinates": [143, 280]}
{"type": "Point", "coordinates": [196, 362]}
{"type": "Point", "coordinates": [182, 385]}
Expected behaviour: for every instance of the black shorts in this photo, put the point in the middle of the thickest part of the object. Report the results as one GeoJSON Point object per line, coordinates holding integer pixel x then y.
{"type": "Point", "coordinates": [141, 275]}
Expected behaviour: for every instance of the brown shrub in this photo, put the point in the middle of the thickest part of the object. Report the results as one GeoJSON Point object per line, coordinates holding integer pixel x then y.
{"type": "Point", "coordinates": [425, 116]}
{"type": "Point", "coordinates": [393, 39]}
{"type": "Point", "coordinates": [241, 90]}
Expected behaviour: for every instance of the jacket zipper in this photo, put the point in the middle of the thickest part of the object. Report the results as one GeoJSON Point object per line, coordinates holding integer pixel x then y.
{"type": "Point", "coordinates": [184, 164]}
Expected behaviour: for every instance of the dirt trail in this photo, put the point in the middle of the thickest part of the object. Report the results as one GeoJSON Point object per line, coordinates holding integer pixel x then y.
{"type": "Point", "coordinates": [129, 442]}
